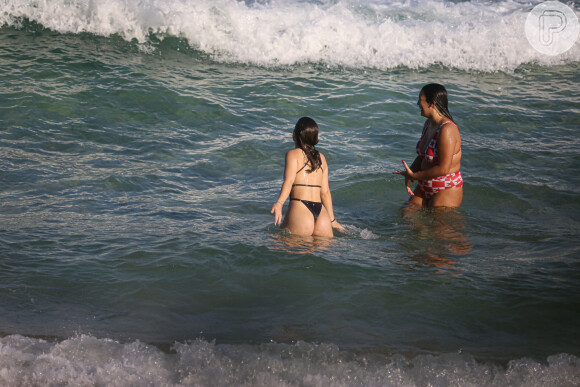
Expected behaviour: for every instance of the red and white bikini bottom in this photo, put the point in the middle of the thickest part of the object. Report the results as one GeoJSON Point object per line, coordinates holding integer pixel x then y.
{"type": "Point", "coordinates": [432, 186]}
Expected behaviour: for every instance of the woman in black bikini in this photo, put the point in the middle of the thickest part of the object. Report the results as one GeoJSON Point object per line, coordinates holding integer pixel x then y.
{"type": "Point", "coordinates": [306, 183]}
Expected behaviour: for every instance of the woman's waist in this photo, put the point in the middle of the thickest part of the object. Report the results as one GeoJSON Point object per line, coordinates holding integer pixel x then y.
{"type": "Point", "coordinates": [449, 176]}
{"type": "Point", "coordinates": [455, 165]}
{"type": "Point", "coordinates": [302, 195]}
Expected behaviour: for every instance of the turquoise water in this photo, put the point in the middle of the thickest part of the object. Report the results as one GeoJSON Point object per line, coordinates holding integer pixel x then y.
{"type": "Point", "coordinates": [137, 247]}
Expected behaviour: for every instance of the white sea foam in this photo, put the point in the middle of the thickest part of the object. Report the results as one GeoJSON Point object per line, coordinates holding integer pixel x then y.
{"type": "Point", "coordinates": [476, 35]}
{"type": "Point", "coordinates": [88, 361]}
{"type": "Point", "coordinates": [359, 232]}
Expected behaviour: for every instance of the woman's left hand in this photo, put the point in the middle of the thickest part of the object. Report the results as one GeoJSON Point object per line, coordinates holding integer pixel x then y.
{"type": "Point", "coordinates": [337, 226]}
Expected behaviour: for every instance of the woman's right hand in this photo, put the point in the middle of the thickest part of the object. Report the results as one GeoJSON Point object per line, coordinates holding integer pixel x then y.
{"type": "Point", "coordinates": [277, 211]}
{"type": "Point", "coordinates": [408, 181]}
{"type": "Point", "coordinates": [408, 178]}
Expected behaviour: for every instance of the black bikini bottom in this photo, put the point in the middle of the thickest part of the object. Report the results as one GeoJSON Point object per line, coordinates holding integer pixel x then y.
{"type": "Point", "coordinates": [314, 207]}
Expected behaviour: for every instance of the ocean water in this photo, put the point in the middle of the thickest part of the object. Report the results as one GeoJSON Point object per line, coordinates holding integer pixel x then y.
{"type": "Point", "coordinates": [142, 145]}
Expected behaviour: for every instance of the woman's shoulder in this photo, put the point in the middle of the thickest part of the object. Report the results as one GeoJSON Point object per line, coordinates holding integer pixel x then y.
{"type": "Point", "coordinates": [294, 153]}
{"type": "Point", "coordinates": [448, 123]}
{"type": "Point", "coordinates": [450, 131]}
{"type": "Point", "coordinates": [449, 127]}
{"type": "Point", "coordinates": [323, 160]}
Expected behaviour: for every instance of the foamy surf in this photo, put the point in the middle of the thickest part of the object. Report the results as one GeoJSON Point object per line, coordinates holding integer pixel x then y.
{"type": "Point", "coordinates": [88, 361]}
{"type": "Point", "coordinates": [477, 35]}
{"type": "Point", "coordinates": [362, 233]}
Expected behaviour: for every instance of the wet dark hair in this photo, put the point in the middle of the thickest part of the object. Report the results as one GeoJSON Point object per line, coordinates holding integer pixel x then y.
{"type": "Point", "coordinates": [437, 94]}
{"type": "Point", "coordinates": [305, 137]}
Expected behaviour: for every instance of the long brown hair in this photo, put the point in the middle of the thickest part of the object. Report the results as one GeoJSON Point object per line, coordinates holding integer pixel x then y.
{"type": "Point", "coordinates": [305, 137]}
{"type": "Point", "coordinates": [437, 94]}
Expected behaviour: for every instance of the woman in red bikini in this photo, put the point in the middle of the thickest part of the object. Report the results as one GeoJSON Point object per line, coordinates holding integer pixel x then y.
{"type": "Point", "coordinates": [436, 167]}
{"type": "Point", "coordinates": [306, 182]}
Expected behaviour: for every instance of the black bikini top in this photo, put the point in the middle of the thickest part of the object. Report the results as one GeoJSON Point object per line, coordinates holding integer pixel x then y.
{"type": "Point", "coordinates": [304, 185]}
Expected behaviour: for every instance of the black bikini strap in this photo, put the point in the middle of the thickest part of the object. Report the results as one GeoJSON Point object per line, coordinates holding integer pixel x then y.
{"type": "Point", "coordinates": [304, 166]}
{"type": "Point", "coordinates": [306, 185]}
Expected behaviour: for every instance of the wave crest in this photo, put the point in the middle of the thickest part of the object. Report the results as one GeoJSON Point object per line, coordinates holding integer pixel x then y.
{"type": "Point", "coordinates": [473, 35]}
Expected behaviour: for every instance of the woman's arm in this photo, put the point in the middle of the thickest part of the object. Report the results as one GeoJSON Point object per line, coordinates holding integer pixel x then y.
{"type": "Point", "coordinates": [326, 197]}
{"type": "Point", "coordinates": [290, 169]}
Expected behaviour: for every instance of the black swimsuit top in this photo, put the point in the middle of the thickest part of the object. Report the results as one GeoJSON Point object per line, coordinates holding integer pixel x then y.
{"type": "Point", "coordinates": [304, 185]}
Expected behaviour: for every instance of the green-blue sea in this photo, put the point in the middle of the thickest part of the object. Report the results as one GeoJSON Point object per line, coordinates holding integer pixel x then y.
{"type": "Point", "coordinates": [142, 146]}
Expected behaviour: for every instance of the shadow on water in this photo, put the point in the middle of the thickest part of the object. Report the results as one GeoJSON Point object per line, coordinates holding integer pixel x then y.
{"type": "Point", "coordinates": [433, 238]}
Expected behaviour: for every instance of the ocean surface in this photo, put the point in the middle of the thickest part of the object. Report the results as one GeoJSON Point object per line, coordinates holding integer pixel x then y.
{"type": "Point", "coordinates": [141, 149]}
